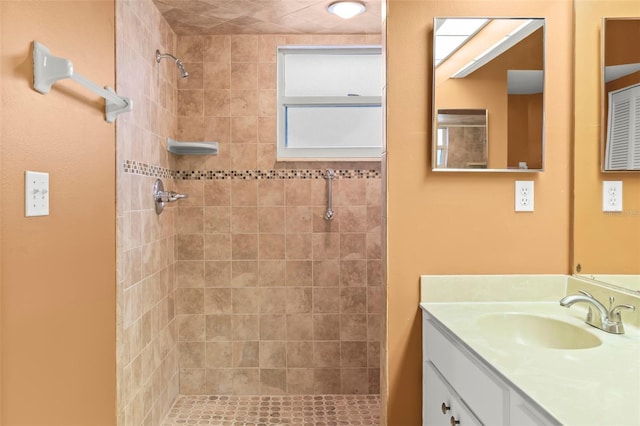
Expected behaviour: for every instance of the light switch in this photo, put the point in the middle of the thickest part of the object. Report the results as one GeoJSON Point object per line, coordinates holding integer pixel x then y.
{"type": "Point", "coordinates": [36, 193]}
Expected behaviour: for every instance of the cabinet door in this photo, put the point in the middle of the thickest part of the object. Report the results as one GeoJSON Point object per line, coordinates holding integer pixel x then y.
{"type": "Point", "coordinates": [436, 393]}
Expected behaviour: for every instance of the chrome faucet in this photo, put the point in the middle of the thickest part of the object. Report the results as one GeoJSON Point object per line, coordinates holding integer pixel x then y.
{"type": "Point", "coordinates": [605, 319]}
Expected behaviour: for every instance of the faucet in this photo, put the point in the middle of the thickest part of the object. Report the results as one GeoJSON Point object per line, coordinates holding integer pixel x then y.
{"type": "Point", "coordinates": [608, 320]}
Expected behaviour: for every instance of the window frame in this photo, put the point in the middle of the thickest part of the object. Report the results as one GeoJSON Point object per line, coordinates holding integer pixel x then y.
{"type": "Point", "coordinates": [285, 153]}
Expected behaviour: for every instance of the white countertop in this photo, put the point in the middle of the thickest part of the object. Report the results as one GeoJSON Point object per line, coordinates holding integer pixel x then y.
{"type": "Point", "coordinates": [595, 386]}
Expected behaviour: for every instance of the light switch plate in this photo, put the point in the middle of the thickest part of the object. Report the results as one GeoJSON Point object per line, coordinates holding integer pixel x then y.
{"type": "Point", "coordinates": [612, 196]}
{"type": "Point", "coordinates": [524, 196]}
{"type": "Point", "coordinates": [36, 194]}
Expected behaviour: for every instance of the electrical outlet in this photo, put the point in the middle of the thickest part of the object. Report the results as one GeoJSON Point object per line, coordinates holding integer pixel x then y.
{"type": "Point", "coordinates": [612, 196]}
{"type": "Point", "coordinates": [524, 196]}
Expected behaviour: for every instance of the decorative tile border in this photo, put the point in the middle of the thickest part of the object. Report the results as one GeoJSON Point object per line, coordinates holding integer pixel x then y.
{"type": "Point", "coordinates": [138, 168]}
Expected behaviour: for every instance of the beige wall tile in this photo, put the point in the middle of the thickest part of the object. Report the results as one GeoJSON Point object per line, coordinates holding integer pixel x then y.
{"type": "Point", "coordinates": [190, 48]}
{"type": "Point", "coordinates": [244, 273]}
{"type": "Point", "coordinates": [273, 354]}
{"type": "Point", "coordinates": [217, 301]}
{"type": "Point", "coordinates": [217, 219]}
{"type": "Point", "coordinates": [217, 48]}
{"type": "Point", "coordinates": [218, 273]}
{"type": "Point", "coordinates": [217, 103]}
{"type": "Point", "coordinates": [244, 48]}
{"type": "Point", "coordinates": [326, 327]}
{"type": "Point", "coordinates": [244, 220]}
{"type": "Point", "coordinates": [271, 273]}
{"type": "Point", "coordinates": [299, 381]}
{"type": "Point", "coordinates": [246, 381]}
{"type": "Point", "coordinates": [191, 327]}
{"type": "Point", "coordinates": [244, 301]}
{"type": "Point", "coordinates": [273, 381]}
{"type": "Point", "coordinates": [217, 193]}
{"type": "Point", "coordinates": [353, 246]}
{"type": "Point", "coordinates": [190, 247]}
{"type": "Point", "coordinates": [273, 327]}
{"type": "Point", "coordinates": [353, 327]}
{"type": "Point", "coordinates": [217, 246]}
{"type": "Point", "coordinates": [299, 273]}
{"type": "Point", "coordinates": [326, 380]}
{"type": "Point", "coordinates": [189, 273]}
{"type": "Point", "coordinates": [354, 381]}
{"type": "Point", "coordinates": [298, 246]}
{"type": "Point", "coordinates": [353, 354]}
{"type": "Point", "coordinates": [190, 301]}
{"type": "Point", "coordinates": [219, 354]}
{"type": "Point", "coordinates": [244, 76]}
{"type": "Point", "coordinates": [218, 328]}
{"type": "Point", "coordinates": [244, 130]}
{"type": "Point", "coordinates": [326, 273]}
{"type": "Point", "coordinates": [298, 300]}
{"type": "Point", "coordinates": [299, 327]}
{"type": "Point", "coordinates": [192, 381]}
{"type": "Point", "coordinates": [190, 103]}
{"type": "Point", "coordinates": [219, 381]}
{"type": "Point", "coordinates": [326, 300]}
{"type": "Point", "coordinates": [246, 327]}
{"type": "Point", "coordinates": [299, 354]}
{"type": "Point", "coordinates": [271, 246]}
{"type": "Point", "coordinates": [244, 103]}
{"type": "Point", "coordinates": [191, 354]}
{"type": "Point", "coordinates": [327, 245]}
{"type": "Point", "coordinates": [246, 354]}
{"type": "Point", "coordinates": [217, 75]}
{"type": "Point", "coordinates": [353, 299]}
{"type": "Point", "coordinates": [326, 354]}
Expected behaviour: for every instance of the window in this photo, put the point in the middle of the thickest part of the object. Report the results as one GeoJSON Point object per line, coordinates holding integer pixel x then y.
{"type": "Point", "coordinates": [329, 103]}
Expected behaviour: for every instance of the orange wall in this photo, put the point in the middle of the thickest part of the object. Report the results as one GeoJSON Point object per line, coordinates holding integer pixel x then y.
{"type": "Point", "coordinates": [462, 223]}
{"type": "Point", "coordinates": [604, 243]}
{"type": "Point", "coordinates": [58, 272]}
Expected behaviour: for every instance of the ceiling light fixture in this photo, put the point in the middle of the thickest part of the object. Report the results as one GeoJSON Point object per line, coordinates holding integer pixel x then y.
{"type": "Point", "coordinates": [346, 9]}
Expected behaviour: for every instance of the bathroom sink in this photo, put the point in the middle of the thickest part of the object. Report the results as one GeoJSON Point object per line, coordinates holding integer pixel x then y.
{"type": "Point", "coordinates": [534, 330]}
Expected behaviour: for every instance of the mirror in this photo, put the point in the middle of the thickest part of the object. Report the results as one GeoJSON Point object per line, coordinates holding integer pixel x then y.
{"type": "Point", "coordinates": [493, 65]}
{"type": "Point", "coordinates": [621, 96]}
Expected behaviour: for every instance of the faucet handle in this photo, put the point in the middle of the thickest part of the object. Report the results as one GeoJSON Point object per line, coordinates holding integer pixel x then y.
{"type": "Point", "coordinates": [614, 314]}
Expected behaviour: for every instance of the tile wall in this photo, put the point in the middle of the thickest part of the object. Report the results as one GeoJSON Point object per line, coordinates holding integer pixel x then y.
{"type": "Point", "coordinates": [271, 298]}
{"type": "Point", "coordinates": [147, 359]}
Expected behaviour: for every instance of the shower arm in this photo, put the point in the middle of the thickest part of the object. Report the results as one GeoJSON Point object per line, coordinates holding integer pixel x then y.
{"type": "Point", "coordinates": [166, 55]}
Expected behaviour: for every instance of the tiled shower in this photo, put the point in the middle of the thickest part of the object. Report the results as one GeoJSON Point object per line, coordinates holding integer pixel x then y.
{"type": "Point", "coordinates": [242, 288]}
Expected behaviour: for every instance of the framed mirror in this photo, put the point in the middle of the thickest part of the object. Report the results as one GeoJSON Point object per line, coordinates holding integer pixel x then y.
{"type": "Point", "coordinates": [621, 94]}
{"type": "Point", "coordinates": [495, 67]}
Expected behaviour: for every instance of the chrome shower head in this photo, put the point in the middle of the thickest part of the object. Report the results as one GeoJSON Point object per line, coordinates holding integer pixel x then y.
{"type": "Point", "coordinates": [183, 72]}
{"type": "Point", "coordinates": [178, 62]}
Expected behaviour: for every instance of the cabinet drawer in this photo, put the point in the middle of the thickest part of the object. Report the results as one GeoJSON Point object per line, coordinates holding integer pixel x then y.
{"type": "Point", "coordinates": [437, 392]}
{"type": "Point", "coordinates": [476, 386]}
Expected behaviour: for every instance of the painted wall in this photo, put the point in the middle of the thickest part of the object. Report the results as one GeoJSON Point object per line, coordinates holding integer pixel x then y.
{"type": "Point", "coordinates": [58, 272]}
{"type": "Point", "coordinates": [443, 223]}
{"type": "Point", "coordinates": [603, 242]}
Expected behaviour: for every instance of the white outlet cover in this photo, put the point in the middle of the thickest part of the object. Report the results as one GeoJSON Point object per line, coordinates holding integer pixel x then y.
{"type": "Point", "coordinates": [36, 194]}
{"type": "Point", "coordinates": [524, 196]}
{"type": "Point", "coordinates": [612, 196]}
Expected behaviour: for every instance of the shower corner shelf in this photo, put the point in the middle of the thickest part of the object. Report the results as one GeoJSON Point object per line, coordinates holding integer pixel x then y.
{"type": "Point", "coordinates": [48, 69]}
{"type": "Point", "coordinates": [192, 148]}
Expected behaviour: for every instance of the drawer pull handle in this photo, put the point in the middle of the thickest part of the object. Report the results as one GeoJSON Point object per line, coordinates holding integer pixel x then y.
{"type": "Point", "coordinates": [445, 408]}
{"type": "Point", "coordinates": [454, 422]}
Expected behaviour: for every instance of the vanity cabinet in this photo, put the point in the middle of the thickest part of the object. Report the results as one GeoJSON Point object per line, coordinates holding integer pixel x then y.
{"type": "Point", "coordinates": [458, 387]}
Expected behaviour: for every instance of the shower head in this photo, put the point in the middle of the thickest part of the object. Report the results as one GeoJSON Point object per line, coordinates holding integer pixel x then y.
{"type": "Point", "coordinates": [178, 62]}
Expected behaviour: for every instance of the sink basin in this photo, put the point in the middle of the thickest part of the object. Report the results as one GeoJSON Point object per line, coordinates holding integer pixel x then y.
{"type": "Point", "coordinates": [534, 330]}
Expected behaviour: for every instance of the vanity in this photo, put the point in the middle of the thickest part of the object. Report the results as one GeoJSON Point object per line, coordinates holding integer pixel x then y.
{"type": "Point", "coordinates": [500, 350]}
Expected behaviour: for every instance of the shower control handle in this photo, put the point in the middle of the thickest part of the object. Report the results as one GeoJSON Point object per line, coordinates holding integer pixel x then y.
{"type": "Point", "coordinates": [160, 196]}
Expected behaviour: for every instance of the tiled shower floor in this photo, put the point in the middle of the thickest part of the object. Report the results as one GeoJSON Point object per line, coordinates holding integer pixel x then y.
{"type": "Point", "coordinates": [295, 410]}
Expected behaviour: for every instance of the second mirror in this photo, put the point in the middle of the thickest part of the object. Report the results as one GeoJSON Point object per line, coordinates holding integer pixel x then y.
{"type": "Point", "coordinates": [488, 69]}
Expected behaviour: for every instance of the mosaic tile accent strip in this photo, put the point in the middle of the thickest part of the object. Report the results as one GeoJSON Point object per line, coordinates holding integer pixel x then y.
{"type": "Point", "coordinates": [138, 168]}
{"type": "Point", "coordinates": [295, 410]}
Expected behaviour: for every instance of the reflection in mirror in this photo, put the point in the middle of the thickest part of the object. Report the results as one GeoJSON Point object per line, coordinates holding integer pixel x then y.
{"type": "Point", "coordinates": [461, 138]}
{"type": "Point", "coordinates": [624, 282]}
{"type": "Point", "coordinates": [495, 66]}
{"type": "Point", "coordinates": [621, 59]}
